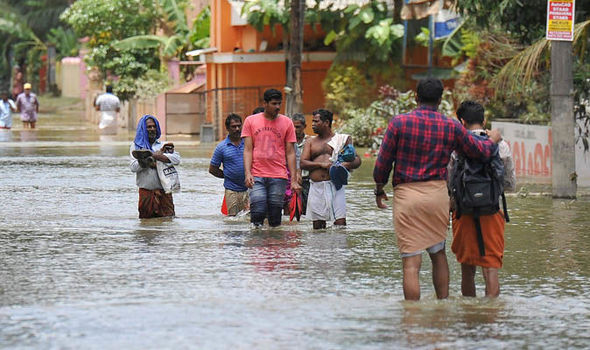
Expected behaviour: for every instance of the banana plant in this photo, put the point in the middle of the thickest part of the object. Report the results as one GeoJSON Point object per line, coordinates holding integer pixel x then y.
{"type": "Point", "coordinates": [178, 39]}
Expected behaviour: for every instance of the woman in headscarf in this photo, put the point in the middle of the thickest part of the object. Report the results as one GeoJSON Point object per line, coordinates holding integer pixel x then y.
{"type": "Point", "coordinates": [145, 150]}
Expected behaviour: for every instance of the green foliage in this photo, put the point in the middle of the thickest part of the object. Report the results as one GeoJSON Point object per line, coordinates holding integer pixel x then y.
{"type": "Point", "coordinates": [104, 21]}
{"type": "Point", "coordinates": [19, 36]}
{"type": "Point", "coordinates": [108, 24]}
{"type": "Point", "coordinates": [487, 54]}
{"type": "Point", "coordinates": [129, 66]}
{"type": "Point", "coordinates": [525, 20]}
{"type": "Point", "coordinates": [175, 15]}
{"type": "Point", "coordinates": [263, 13]}
{"type": "Point", "coordinates": [367, 125]}
{"type": "Point", "coordinates": [365, 33]}
{"type": "Point", "coordinates": [367, 30]}
{"type": "Point", "coordinates": [124, 45]}
{"type": "Point", "coordinates": [65, 41]}
{"type": "Point", "coordinates": [152, 83]}
{"type": "Point", "coordinates": [346, 88]}
{"type": "Point", "coordinates": [199, 35]}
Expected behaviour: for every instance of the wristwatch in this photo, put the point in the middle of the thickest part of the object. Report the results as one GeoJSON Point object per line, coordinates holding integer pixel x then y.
{"type": "Point", "coordinates": [378, 193]}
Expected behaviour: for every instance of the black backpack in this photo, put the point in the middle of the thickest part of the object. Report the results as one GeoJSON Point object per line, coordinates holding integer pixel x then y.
{"type": "Point", "coordinates": [476, 187]}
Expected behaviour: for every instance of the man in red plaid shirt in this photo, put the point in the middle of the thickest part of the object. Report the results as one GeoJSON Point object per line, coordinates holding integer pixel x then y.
{"type": "Point", "coordinates": [420, 144]}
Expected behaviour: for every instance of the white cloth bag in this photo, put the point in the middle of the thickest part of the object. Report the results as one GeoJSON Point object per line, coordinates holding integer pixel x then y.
{"type": "Point", "coordinates": [168, 177]}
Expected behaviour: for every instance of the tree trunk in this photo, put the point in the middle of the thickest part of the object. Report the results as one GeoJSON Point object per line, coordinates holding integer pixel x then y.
{"type": "Point", "coordinates": [397, 10]}
{"type": "Point", "coordinates": [295, 95]}
{"type": "Point", "coordinates": [563, 150]}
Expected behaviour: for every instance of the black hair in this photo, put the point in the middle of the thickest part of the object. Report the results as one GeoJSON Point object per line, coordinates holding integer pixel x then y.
{"type": "Point", "coordinates": [110, 89]}
{"type": "Point", "coordinates": [258, 110]}
{"type": "Point", "coordinates": [230, 117]}
{"type": "Point", "coordinates": [272, 94]}
{"type": "Point", "coordinates": [429, 90]}
{"type": "Point", "coordinates": [325, 115]}
{"type": "Point", "coordinates": [298, 117]}
{"type": "Point", "coordinates": [471, 112]}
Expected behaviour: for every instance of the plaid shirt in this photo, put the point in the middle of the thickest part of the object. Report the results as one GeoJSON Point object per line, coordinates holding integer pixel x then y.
{"type": "Point", "coordinates": [420, 143]}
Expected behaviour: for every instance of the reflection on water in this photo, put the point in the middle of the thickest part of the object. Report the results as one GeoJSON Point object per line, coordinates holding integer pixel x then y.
{"type": "Point", "coordinates": [28, 135]}
{"type": "Point", "coordinates": [5, 135]}
{"type": "Point", "coordinates": [80, 270]}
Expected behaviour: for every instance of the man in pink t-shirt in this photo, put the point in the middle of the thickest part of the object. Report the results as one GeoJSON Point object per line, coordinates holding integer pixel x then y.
{"type": "Point", "coordinates": [269, 140]}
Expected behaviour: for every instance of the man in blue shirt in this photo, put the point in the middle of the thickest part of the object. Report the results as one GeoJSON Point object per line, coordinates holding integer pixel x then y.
{"type": "Point", "coordinates": [230, 153]}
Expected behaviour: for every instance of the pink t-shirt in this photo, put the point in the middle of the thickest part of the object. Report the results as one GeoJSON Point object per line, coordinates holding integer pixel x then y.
{"type": "Point", "coordinates": [268, 140]}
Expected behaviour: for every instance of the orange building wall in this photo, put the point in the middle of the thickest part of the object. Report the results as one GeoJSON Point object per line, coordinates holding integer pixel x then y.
{"type": "Point", "coordinates": [222, 35]}
{"type": "Point", "coordinates": [243, 39]}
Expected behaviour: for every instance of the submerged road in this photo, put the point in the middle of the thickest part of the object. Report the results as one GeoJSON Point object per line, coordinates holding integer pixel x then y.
{"type": "Point", "coordinates": [80, 270]}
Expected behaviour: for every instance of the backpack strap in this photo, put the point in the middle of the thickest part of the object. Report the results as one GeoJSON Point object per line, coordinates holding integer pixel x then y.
{"type": "Point", "coordinates": [505, 210]}
{"type": "Point", "coordinates": [480, 244]}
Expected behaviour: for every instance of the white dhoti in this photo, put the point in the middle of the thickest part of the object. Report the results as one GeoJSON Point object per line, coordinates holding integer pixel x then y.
{"type": "Point", "coordinates": [108, 122]}
{"type": "Point", "coordinates": [324, 202]}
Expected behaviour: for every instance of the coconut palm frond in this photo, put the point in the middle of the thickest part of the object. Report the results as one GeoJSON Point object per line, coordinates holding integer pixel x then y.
{"type": "Point", "coordinates": [581, 35]}
{"type": "Point", "coordinates": [522, 67]}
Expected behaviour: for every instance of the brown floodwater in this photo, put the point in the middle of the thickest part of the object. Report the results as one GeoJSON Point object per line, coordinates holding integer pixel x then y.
{"type": "Point", "coordinates": [80, 270]}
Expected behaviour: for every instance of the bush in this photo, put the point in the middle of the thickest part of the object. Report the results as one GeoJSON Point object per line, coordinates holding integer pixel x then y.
{"type": "Point", "coordinates": [346, 89]}
{"type": "Point", "coordinates": [367, 125]}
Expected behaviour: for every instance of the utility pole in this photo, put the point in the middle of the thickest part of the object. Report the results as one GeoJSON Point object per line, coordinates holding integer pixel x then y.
{"type": "Point", "coordinates": [295, 94]}
{"type": "Point", "coordinates": [563, 152]}
{"type": "Point", "coordinates": [560, 30]}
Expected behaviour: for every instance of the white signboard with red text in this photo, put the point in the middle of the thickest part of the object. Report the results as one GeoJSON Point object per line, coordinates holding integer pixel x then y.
{"type": "Point", "coordinates": [531, 149]}
{"type": "Point", "coordinates": [560, 19]}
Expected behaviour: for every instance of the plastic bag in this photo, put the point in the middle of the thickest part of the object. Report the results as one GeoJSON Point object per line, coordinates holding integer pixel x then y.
{"type": "Point", "coordinates": [168, 177]}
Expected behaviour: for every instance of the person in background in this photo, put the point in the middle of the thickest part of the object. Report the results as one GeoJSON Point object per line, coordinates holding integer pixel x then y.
{"type": "Point", "coordinates": [230, 153]}
{"type": "Point", "coordinates": [17, 81]}
{"type": "Point", "coordinates": [420, 143]}
{"type": "Point", "coordinates": [108, 105]}
{"type": "Point", "coordinates": [465, 245]}
{"type": "Point", "coordinates": [302, 175]}
{"type": "Point", "coordinates": [327, 198]}
{"type": "Point", "coordinates": [258, 110]}
{"type": "Point", "coordinates": [28, 106]}
{"type": "Point", "coordinates": [145, 150]}
{"type": "Point", "coordinates": [7, 106]}
{"type": "Point", "coordinates": [269, 139]}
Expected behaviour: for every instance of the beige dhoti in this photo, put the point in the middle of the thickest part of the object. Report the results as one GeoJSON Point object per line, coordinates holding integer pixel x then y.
{"type": "Point", "coordinates": [420, 214]}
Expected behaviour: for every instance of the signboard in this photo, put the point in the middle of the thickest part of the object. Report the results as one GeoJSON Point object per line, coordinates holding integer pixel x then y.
{"type": "Point", "coordinates": [445, 22]}
{"type": "Point", "coordinates": [560, 20]}
{"type": "Point", "coordinates": [531, 150]}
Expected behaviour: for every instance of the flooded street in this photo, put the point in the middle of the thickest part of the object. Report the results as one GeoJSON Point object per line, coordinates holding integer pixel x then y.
{"type": "Point", "coordinates": [80, 270]}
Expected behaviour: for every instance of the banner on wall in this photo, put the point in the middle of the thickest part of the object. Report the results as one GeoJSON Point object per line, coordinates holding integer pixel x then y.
{"type": "Point", "coordinates": [531, 149]}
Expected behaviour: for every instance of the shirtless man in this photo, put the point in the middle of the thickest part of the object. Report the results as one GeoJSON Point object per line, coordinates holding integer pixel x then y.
{"type": "Point", "coordinates": [326, 200]}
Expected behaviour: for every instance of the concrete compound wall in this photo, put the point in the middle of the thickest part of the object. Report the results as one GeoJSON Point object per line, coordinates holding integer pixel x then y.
{"type": "Point", "coordinates": [70, 82]}
{"type": "Point", "coordinates": [531, 149]}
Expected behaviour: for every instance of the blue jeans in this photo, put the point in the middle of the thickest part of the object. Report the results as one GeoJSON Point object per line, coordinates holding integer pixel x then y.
{"type": "Point", "coordinates": [266, 200]}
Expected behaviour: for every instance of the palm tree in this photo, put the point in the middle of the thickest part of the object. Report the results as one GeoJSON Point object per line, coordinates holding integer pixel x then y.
{"type": "Point", "coordinates": [528, 63]}
{"type": "Point", "coordinates": [24, 26]}
{"type": "Point", "coordinates": [523, 67]}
